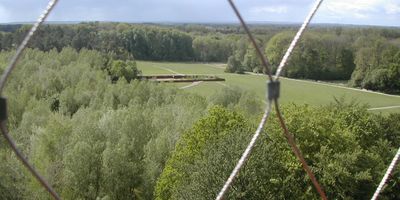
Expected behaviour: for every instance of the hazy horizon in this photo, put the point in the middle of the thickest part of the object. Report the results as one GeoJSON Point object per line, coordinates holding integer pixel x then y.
{"type": "Point", "coordinates": [283, 23]}
{"type": "Point", "coordinates": [356, 12]}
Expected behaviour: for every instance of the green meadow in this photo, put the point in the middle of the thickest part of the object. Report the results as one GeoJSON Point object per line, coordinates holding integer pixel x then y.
{"type": "Point", "coordinates": [292, 91]}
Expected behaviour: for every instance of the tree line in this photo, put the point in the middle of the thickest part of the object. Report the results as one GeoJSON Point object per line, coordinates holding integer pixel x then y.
{"type": "Point", "coordinates": [369, 60]}
{"type": "Point", "coordinates": [367, 57]}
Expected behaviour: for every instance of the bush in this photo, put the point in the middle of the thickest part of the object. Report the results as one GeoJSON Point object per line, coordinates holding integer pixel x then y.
{"type": "Point", "coordinates": [125, 69]}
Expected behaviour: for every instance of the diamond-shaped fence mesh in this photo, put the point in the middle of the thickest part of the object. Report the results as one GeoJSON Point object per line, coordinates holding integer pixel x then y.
{"type": "Point", "coordinates": [273, 96]}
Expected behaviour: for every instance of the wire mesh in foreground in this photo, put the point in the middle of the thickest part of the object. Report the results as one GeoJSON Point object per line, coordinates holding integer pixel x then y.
{"type": "Point", "coordinates": [245, 155]}
{"type": "Point", "coordinates": [289, 138]}
{"type": "Point", "coordinates": [298, 154]}
{"type": "Point", "coordinates": [387, 174]}
{"type": "Point", "coordinates": [22, 46]}
{"type": "Point", "coordinates": [3, 108]}
{"type": "Point", "coordinates": [24, 161]}
{"type": "Point", "coordinates": [273, 96]}
{"type": "Point", "coordinates": [296, 38]}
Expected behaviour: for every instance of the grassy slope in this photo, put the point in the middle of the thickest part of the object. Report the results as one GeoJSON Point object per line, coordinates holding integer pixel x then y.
{"type": "Point", "coordinates": [292, 90]}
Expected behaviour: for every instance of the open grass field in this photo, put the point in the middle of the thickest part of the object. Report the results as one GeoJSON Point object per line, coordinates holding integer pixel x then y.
{"type": "Point", "coordinates": [296, 91]}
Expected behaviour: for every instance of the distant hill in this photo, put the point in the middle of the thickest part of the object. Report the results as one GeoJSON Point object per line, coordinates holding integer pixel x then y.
{"type": "Point", "coordinates": [253, 23]}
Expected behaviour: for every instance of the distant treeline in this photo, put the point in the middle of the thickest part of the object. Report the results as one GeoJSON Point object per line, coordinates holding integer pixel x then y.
{"type": "Point", "coordinates": [9, 27]}
{"type": "Point", "coordinates": [367, 56]}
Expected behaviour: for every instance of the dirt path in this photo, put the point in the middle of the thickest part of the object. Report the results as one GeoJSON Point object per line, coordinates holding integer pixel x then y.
{"type": "Point", "coordinates": [218, 66]}
{"type": "Point", "coordinates": [170, 70]}
{"type": "Point", "coordinates": [383, 108]}
{"type": "Point", "coordinates": [343, 87]}
{"type": "Point", "coordinates": [331, 85]}
{"type": "Point", "coordinates": [191, 85]}
{"type": "Point", "coordinates": [223, 84]}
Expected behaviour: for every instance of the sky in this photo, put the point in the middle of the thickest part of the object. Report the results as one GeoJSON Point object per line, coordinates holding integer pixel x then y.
{"type": "Point", "coordinates": [362, 12]}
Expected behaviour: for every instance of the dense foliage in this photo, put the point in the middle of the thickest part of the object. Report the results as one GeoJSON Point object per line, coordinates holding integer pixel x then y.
{"type": "Point", "coordinates": [95, 132]}
{"type": "Point", "coordinates": [90, 137]}
{"type": "Point", "coordinates": [377, 64]}
{"type": "Point", "coordinates": [90, 129]}
{"type": "Point", "coordinates": [369, 60]}
{"type": "Point", "coordinates": [124, 41]}
{"type": "Point", "coordinates": [323, 56]}
{"type": "Point", "coordinates": [347, 148]}
{"type": "Point", "coordinates": [369, 56]}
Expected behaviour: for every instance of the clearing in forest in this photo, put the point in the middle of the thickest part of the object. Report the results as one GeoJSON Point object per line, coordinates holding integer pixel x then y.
{"type": "Point", "coordinates": [296, 91]}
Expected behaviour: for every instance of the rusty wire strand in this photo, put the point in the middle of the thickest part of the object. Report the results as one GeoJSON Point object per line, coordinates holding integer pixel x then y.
{"type": "Point", "coordinates": [282, 123]}
{"type": "Point", "coordinates": [3, 81]}
{"type": "Point", "coordinates": [250, 146]}
{"type": "Point", "coordinates": [264, 119]}
{"type": "Point", "coordinates": [246, 153]}
{"type": "Point", "coordinates": [24, 161]}
{"type": "Point", "coordinates": [261, 55]}
{"type": "Point", "coordinates": [298, 153]}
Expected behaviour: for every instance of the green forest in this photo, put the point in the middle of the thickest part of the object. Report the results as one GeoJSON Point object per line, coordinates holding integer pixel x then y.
{"type": "Point", "coordinates": [366, 57]}
{"type": "Point", "coordinates": [94, 131]}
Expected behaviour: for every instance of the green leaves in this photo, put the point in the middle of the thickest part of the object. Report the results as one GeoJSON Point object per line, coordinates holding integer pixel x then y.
{"type": "Point", "coordinates": [346, 148]}
{"type": "Point", "coordinates": [177, 173]}
{"type": "Point", "coordinates": [91, 138]}
{"type": "Point", "coordinates": [125, 69]}
{"type": "Point", "coordinates": [377, 66]}
{"type": "Point", "coordinates": [319, 55]}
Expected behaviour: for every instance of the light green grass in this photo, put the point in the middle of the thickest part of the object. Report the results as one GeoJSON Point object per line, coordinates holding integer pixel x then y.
{"type": "Point", "coordinates": [300, 92]}
{"type": "Point", "coordinates": [184, 68]}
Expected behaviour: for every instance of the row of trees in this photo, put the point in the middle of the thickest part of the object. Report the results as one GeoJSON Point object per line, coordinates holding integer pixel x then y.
{"type": "Point", "coordinates": [125, 41]}
{"type": "Point", "coordinates": [318, 56]}
{"type": "Point", "coordinates": [367, 60]}
{"type": "Point", "coordinates": [377, 64]}
{"type": "Point", "coordinates": [366, 55]}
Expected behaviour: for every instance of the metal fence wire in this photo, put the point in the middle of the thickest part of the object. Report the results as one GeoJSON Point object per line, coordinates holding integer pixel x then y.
{"type": "Point", "coordinates": [273, 88]}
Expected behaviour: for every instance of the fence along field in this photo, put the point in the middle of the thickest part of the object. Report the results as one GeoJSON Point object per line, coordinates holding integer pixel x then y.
{"type": "Point", "coordinates": [293, 91]}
